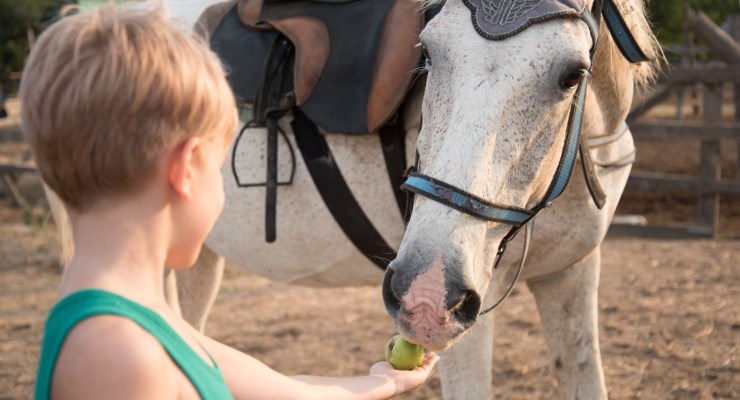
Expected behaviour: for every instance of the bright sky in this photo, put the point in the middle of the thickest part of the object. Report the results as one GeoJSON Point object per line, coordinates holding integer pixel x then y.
{"type": "Point", "coordinates": [184, 11]}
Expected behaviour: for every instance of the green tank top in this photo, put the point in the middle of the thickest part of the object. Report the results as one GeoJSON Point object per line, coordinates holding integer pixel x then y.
{"type": "Point", "coordinates": [207, 380]}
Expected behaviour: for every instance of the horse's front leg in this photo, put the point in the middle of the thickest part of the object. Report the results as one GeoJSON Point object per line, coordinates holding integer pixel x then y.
{"type": "Point", "coordinates": [567, 302]}
{"type": "Point", "coordinates": [465, 368]}
{"type": "Point", "coordinates": [197, 287]}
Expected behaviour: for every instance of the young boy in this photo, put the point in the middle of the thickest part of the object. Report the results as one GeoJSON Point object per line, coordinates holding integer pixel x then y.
{"type": "Point", "coordinates": [129, 121]}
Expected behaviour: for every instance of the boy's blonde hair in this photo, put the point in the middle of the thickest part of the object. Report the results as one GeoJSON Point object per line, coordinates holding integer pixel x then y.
{"type": "Point", "coordinates": [106, 93]}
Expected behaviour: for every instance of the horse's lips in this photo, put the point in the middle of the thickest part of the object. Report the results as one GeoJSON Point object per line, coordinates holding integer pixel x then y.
{"type": "Point", "coordinates": [432, 339]}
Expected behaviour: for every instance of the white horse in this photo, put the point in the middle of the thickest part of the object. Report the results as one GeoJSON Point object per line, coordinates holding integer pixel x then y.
{"type": "Point", "coordinates": [494, 124]}
{"type": "Point", "coordinates": [494, 116]}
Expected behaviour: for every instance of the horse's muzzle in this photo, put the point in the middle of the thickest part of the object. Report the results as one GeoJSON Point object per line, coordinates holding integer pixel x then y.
{"type": "Point", "coordinates": [429, 307]}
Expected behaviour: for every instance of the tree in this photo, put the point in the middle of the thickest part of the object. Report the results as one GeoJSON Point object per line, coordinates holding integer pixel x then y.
{"type": "Point", "coordinates": [18, 21]}
{"type": "Point", "coordinates": [667, 17]}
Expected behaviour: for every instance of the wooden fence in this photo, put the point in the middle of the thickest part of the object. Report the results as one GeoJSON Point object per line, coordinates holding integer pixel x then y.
{"type": "Point", "coordinates": [9, 174]}
{"type": "Point", "coordinates": [710, 79]}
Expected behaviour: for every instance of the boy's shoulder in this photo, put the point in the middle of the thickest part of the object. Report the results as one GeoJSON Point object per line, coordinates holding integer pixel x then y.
{"type": "Point", "coordinates": [109, 357]}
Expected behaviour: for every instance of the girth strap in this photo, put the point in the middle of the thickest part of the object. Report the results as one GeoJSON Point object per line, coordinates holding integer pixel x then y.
{"type": "Point", "coordinates": [393, 143]}
{"type": "Point", "coordinates": [336, 193]}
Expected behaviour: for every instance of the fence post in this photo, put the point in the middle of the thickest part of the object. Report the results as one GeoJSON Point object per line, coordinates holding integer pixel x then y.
{"type": "Point", "coordinates": [737, 119]}
{"type": "Point", "coordinates": [688, 59]}
{"type": "Point", "coordinates": [711, 167]}
{"type": "Point", "coordinates": [734, 32]}
{"type": "Point", "coordinates": [736, 96]}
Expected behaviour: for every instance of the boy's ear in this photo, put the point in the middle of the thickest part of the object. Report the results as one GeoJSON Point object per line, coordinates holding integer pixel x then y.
{"type": "Point", "coordinates": [181, 165]}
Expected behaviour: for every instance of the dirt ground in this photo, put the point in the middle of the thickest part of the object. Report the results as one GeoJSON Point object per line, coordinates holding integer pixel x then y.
{"type": "Point", "coordinates": [669, 314]}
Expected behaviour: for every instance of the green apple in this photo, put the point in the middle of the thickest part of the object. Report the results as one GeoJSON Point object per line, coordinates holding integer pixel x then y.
{"type": "Point", "coordinates": [403, 355]}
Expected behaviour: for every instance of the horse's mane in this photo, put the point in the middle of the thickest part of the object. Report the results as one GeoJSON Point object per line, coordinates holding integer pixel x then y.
{"type": "Point", "coordinates": [633, 12]}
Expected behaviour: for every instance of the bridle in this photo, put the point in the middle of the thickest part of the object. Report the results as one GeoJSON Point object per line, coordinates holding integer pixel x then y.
{"type": "Point", "coordinates": [516, 217]}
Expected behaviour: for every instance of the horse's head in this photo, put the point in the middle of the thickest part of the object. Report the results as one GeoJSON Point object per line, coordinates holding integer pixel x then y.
{"type": "Point", "coordinates": [494, 122]}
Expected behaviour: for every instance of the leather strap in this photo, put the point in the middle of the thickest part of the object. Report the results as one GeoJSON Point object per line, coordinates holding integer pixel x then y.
{"type": "Point", "coordinates": [621, 34]}
{"type": "Point", "coordinates": [393, 142]}
{"type": "Point", "coordinates": [269, 106]}
{"type": "Point", "coordinates": [409, 193]}
{"type": "Point", "coordinates": [592, 181]}
{"type": "Point", "coordinates": [336, 194]}
{"type": "Point", "coordinates": [271, 182]}
{"type": "Point", "coordinates": [572, 141]}
{"type": "Point", "coordinates": [463, 201]}
{"type": "Point", "coordinates": [528, 228]}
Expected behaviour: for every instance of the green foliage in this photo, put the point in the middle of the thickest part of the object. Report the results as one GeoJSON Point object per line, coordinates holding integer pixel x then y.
{"type": "Point", "coordinates": [667, 15]}
{"type": "Point", "coordinates": [17, 18]}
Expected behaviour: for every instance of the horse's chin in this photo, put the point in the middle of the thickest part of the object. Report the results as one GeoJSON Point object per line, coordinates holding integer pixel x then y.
{"type": "Point", "coordinates": [434, 341]}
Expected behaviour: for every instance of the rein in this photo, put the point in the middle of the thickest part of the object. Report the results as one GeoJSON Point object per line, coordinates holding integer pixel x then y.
{"type": "Point", "coordinates": [468, 203]}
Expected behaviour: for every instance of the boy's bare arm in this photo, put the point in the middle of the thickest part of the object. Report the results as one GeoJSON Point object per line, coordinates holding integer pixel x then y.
{"type": "Point", "coordinates": [249, 378]}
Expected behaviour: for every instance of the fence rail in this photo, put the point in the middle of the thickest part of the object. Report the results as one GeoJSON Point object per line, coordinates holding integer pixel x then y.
{"type": "Point", "coordinates": [686, 130]}
{"type": "Point", "coordinates": [706, 74]}
{"type": "Point", "coordinates": [682, 183]}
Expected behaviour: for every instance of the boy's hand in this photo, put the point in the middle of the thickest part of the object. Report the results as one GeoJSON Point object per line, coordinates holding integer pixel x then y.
{"type": "Point", "coordinates": [406, 380]}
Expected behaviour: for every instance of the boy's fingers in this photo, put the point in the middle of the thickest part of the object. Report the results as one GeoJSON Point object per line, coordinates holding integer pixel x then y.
{"type": "Point", "coordinates": [430, 360]}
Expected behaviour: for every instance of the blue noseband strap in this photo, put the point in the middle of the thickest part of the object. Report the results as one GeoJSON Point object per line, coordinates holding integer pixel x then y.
{"type": "Point", "coordinates": [465, 202]}
{"type": "Point", "coordinates": [475, 206]}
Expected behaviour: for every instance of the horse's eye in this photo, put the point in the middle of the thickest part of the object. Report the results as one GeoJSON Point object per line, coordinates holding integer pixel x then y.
{"type": "Point", "coordinates": [572, 79]}
{"type": "Point", "coordinates": [425, 54]}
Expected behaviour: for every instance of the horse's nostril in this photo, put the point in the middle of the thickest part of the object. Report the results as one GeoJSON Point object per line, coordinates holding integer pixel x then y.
{"type": "Point", "coordinates": [455, 302]}
{"type": "Point", "coordinates": [465, 306]}
{"type": "Point", "coordinates": [390, 298]}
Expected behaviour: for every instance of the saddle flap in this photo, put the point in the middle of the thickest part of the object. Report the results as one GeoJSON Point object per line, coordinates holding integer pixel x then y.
{"type": "Point", "coordinates": [398, 54]}
{"type": "Point", "coordinates": [310, 37]}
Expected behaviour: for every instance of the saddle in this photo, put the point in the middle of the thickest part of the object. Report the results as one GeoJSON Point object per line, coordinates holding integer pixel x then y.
{"type": "Point", "coordinates": [341, 65]}
{"type": "Point", "coordinates": [351, 63]}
